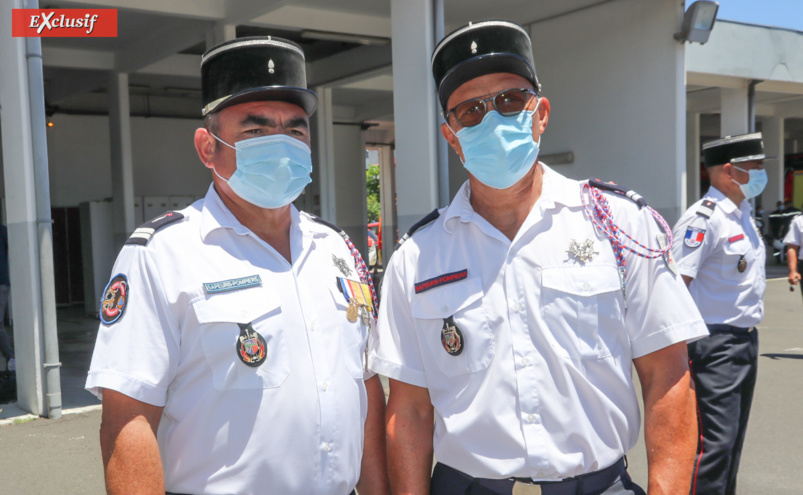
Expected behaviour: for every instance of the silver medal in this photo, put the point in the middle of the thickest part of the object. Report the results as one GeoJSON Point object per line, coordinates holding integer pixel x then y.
{"type": "Point", "coordinates": [341, 265]}
{"type": "Point", "coordinates": [582, 251]}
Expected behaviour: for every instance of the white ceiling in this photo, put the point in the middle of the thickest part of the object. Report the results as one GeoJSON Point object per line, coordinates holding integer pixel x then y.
{"type": "Point", "coordinates": [159, 44]}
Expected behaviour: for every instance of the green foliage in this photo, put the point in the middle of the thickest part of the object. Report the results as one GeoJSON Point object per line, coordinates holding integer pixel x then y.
{"type": "Point", "coordinates": [372, 190]}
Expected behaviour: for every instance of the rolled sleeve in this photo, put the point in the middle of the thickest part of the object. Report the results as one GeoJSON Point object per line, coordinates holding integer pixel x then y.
{"type": "Point", "coordinates": [396, 352]}
{"type": "Point", "coordinates": [138, 354]}
{"type": "Point", "coordinates": [660, 311]}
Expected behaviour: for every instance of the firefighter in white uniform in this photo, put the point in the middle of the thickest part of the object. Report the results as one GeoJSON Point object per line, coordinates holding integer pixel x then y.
{"type": "Point", "coordinates": [721, 255]}
{"type": "Point", "coordinates": [230, 357]}
{"type": "Point", "coordinates": [513, 317]}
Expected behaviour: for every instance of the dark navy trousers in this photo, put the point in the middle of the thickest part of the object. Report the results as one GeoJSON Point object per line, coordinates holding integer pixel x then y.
{"type": "Point", "coordinates": [724, 366]}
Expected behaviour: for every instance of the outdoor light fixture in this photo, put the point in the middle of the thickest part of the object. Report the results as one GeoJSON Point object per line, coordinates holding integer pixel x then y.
{"type": "Point", "coordinates": [698, 22]}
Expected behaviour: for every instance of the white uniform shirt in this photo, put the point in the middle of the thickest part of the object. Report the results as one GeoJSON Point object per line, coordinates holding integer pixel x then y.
{"type": "Point", "coordinates": [295, 423]}
{"type": "Point", "coordinates": [543, 385]}
{"type": "Point", "coordinates": [709, 250]}
{"type": "Point", "coordinates": [795, 235]}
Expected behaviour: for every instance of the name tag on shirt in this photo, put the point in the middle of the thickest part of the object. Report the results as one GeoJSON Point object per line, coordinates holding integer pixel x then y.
{"type": "Point", "coordinates": [233, 284]}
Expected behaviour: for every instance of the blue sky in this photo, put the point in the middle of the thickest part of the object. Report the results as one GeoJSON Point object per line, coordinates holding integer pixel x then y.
{"type": "Point", "coordinates": [781, 13]}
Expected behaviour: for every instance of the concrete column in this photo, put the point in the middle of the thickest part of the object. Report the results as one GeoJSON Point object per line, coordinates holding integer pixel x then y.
{"type": "Point", "coordinates": [692, 180]}
{"type": "Point", "coordinates": [122, 160]}
{"type": "Point", "coordinates": [772, 130]}
{"type": "Point", "coordinates": [21, 216]}
{"type": "Point", "coordinates": [734, 104]}
{"type": "Point", "coordinates": [323, 153]}
{"type": "Point", "coordinates": [349, 182]}
{"type": "Point", "coordinates": [413, 100]}
{"type": "Point", "coordinates": [387, 194]}
{"type": "Point", "coordinates": [219, 33]}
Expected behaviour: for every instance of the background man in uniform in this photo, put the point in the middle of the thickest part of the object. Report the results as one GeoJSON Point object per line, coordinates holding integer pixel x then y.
{"type": "Point", "coordinates": [514, 322]}
{"type": "Point", "coordinates": [793, 241]}
{"type": "Point", "coordinates": [722, 258]}
{"type": "Point", "coordinates": [230, 358]}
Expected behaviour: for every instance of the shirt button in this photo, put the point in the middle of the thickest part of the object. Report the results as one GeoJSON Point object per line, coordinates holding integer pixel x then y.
{"type": "Point", "coordinates": [325, 386]}
{"type": "Point", "coordinates": [540, 474]}
{"type": "Point", "coordinates": [312, 326]}
{"type": "Point", "coordinates": [586, 287]}
{"type": "Point", "coordinates": [327, 447]}
{"type": "Point", "coordinates": [445, 308]}
{"type": "Point", "coordinates": [524, 362]}
{"type": "Point", "coordinates": [531, 418]}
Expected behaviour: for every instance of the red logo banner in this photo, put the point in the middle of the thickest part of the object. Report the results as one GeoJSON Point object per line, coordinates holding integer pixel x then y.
{"type": "Point", "coordinates": [66, 23]}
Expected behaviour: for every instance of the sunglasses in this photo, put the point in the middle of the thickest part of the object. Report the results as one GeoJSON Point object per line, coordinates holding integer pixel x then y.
{"type": "Point", "coordinates": [507, 102]}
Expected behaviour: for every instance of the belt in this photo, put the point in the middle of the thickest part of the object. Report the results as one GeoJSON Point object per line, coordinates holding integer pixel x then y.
{"type": "Point", "coordinates": [723, 328]}
{"type": "Point", "coordinates": [595, 482]}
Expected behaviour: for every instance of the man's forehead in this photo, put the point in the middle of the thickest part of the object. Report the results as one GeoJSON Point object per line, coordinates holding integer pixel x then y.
{"type": "Point", "coordinates": [263, 112]}
{"type": "Point", "coordinates": [750, 164]}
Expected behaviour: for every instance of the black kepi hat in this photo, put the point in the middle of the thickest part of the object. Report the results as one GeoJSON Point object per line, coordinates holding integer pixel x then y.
{"type": "Point", "coordinates": [481, 48]}
{"type": "Point", "coordinates": [734, 149]}
{"type": "Point", "coordinates": [253, 69]}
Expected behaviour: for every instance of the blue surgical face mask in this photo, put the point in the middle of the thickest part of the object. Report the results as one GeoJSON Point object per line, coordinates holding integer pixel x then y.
{"type": "Point", "coordinates": [500, 150]}
{"type": "Point", "coordinates": [271, 170]}
{"type": "Point", "coordinates": [755, 185]}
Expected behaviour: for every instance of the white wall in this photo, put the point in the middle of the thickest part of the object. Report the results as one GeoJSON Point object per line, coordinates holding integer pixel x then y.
{"type": "Point", "coordinates": [165, 161]}
{"type": "Point", "coordinates": [614, 77]}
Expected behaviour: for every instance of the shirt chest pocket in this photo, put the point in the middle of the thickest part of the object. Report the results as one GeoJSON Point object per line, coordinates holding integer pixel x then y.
{"type": "Point", "coordinates": [583, 310]}
{"type": "Point", "coordinates": [736, 254]}
{"type": "Point", "coordinates": [227, 349]}
{"type": "Point", "coordinates": [352, 336]}
{"type": "Point", "coordinates": [467, 346]}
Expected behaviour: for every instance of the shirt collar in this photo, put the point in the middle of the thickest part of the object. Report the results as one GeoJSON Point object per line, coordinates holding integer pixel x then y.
{"type": "Point", "coordinates": [216, 215]}
{"type": "Point", "coordinates": [555, 190]}
{"type": "Point", "coordinates": [725, 203]}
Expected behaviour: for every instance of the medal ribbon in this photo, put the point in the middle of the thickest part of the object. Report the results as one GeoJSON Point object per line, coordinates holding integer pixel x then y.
{"type": "Point", "coordinates": [599, 211]}
{"type": "Point", "coordinates": [362, 271]}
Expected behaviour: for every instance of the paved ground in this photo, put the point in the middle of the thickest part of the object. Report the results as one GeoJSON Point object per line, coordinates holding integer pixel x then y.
{"type": "Point", "coordinates": [40, 456]}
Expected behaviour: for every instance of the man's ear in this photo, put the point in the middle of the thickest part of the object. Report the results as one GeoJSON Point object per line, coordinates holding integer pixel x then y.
{"type": "Point", "coordinates": [452, 140]}
{"type": "Point", "coordinates": [205, 145]}
{"type": "Point", "coordinates": [542, 117]}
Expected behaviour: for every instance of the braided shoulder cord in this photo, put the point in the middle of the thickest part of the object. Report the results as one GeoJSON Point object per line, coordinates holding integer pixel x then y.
{"type": "Point", "coordinates": [362, 271]}
{"type": "Point", "coordinates": [599, 211]}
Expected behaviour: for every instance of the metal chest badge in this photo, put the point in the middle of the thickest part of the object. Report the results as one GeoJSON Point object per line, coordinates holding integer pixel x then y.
{"type": "Point", "coordinates": [451, 337]}
{"type": "Point", "coordinates": [582, 251]}
{"type": "Point", "coordinates": [742, 264]}
{"type": "Point", "coordinates": [341, 265]}
{"type": "Point", "coordinates": [250, 346]}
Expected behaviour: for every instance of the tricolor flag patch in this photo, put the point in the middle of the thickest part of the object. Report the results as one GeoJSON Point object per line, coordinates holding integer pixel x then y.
{"type": "Point", "coordinates": [694, 237]}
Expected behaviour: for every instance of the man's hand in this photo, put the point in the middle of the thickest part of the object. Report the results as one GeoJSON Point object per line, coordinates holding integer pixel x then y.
{"type": "Point", "coordinates": [409, 424]}
{"type": "Point", "coordinates": [670, 418]}
{"type": "Point", "coordinates": [791, 262]}
{"type": "Point", "coordinates": [131, 459]}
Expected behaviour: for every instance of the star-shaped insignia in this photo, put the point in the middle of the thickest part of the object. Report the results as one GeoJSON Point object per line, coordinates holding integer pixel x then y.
{"type": "Point", "coordinates": [341, 265]}
{"type": "Point", "coordinates": [582, 251]}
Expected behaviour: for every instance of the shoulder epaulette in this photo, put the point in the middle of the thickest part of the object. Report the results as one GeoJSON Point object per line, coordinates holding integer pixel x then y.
{"type": "Point", "coordinates": [610, 186]}
{"type": "Point", "coordinates": [431, 217]}
{"type": "Point", "coordinates": [145, 231]}
{"type": "Point", "coordinates": [324, 222]}
{"type": "Point", "coordinates": [706, 208]}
